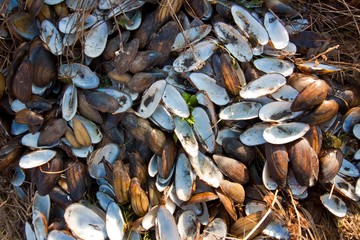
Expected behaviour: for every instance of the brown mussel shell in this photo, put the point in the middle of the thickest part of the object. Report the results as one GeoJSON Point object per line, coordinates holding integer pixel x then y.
{"type": "Point", "coordinates": [234, 169]}
{"type": "Point", "coordinates": [330, 162]}
{"type": "Point", "coordinates": [277, 161]}
{"type": "Point", "coordinates": [76, 179]}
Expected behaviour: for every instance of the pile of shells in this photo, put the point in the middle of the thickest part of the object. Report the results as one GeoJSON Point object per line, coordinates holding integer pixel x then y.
{"type": "Point", "coordinates": [172, 120]}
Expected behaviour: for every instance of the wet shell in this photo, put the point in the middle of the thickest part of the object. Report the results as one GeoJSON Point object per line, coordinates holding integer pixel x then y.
{"type": "Point", "coordinates": [285, 132]}
{"type": "Point", "coordinates": [236, 43]}
{"type": "Point", "coordinates": [240, 111]}
{"type": "Point", "coordinates": [217, 94]}
{"type": "Point", "coordinates": [278, 35]}
{"type": "Point", "coordinates": [249, 25]}
{"type": "Point", "coordinates": [262, 86]}
{"type": "Point", "coordinates": [277, 112]}
{"type": "Point", "coordinates": [186, 61]}
{"type": "Point", "coordinates": [312, 95]}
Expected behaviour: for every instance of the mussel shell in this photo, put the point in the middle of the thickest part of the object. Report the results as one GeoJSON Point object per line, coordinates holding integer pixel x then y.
{"type": "Point", "coordinates": [76, 180]}
{"type": "Point", "coordinates": [101, 101]}
{"type": "Point", "coordinates": [52, 132]}
{"type": "Point", "coordinates": [351, 118]}
{"type": "Point", "coordinates": [301, 154]}
{"type": "Point", "coordinates": [330, 163]}
{"type": "Point", "coordinates": [48, 174]}
{"type": "Point", "coordinates": [322, 113]}
{"type": "Point", "coordinates": [278, 35]}
{"type": "Point", "coordinates": [312, 95]}
{"type": "Point", "coordinates": [24, 25]}
{"type": "Point", "coordinates": [239, 151]}
{"type": "Point", "coordinates": [22, 81]}
{"type": "Point", "coordinates": [285, 132]}
{"type": "Point", "coordinates": [144, 60]}
{"type": "Point", "coordinates": [232, 168]}
{"type": "Point", "coordinates": [277, 162]}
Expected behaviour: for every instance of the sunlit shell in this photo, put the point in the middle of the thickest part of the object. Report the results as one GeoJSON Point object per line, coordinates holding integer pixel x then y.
{"type": "Point", "coordinates": [51, 37]}
{"type": "Point", "coordinates": [274, 65]}
{"type": "Point", "coordinates": [264, 85]}
{"type": "Point", "coordinates": [184, 178]}
{"type": "Point", "coordinates": [345, 188]}
{"type": "Point", "coordinates": [186, 136]}
{"type": "Point", "coordinates": [203, 129]}
{"type": "Point", "coordinates": [216, 228]}
{"type": "Point", "coordinates": [268, 181]}
{"type": "Point", "coordinates": [187, 225]}
{"type": "Point", "coordinates": [289, 50]}
{"type": "Point", "coordinates": [18, 128]}
{"type": "Point", "coordinates": [69, 103]}
{"type": "Point", "coordinates": [201, 210]}
{"type": "Point", "coordinates": [249, 25]}
{"type": "Point", "coordinates": [334, 204]}
{"type": "Point", "coordinates": [149, 219]}
{"type": "Point", "coordinates": [163, 118]}
{"type": "Point", "coordinates": [277, 112]}
{"type": "Point", "coordinates": [195, 57]}
{"type": "Point", "coordinates": [109, 153]}
{"type": "Point", "coordinates": [115, 223]}
{"type": "Point", "coordinates": [285, 93]}
{"type": "Point", "coordinates": [315, 68]}
{"type": "Point", "coordinates": [165, 225]}
{"type": "Point", "coordinates": [278, 35]}
{"type": "Point", "coordinates": [96, 39]}
{"type": "Point", "coordinates": [235, 42]}
{"type": "Point", "coordinates": [174, 102]}
{"type": "Point", "coordinates": [82, 152]}
{"type": "Point", "coordinates": [123, 98]}
{"type": "Point", "coordinates": [52, 2]}
{"type": "Point", "coordinates": [190, 36]}
{"type": "Point", "coordinates": [357, 187]}
{"type": "Point", "coordinates": [240, 111]}
{"type": "Point", "coordinates": [349, 169]}
{"type": "Point", "coordinates": [285, 132]}
{"type": "Point", "coordinates": [206, 170]}
{"type": "Point", "coordinates": [253, 136]}
{"type": "Point", "coordinates": [227, 133]}
{"type": "Point", "coordinates": [84, 222]}
{"type": "Point", "coordinates": [294, 186]}
{"type": "Point", "coordinates": [59, 235]}
{"type": "Point", "coordinates": [81, 75]}
{"type": "Point", "coordinates": [36, 158]}
{"type": "Point", "coordinates": [217, 94]}
{"type": "Point", "coordinates": [151, 98]}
